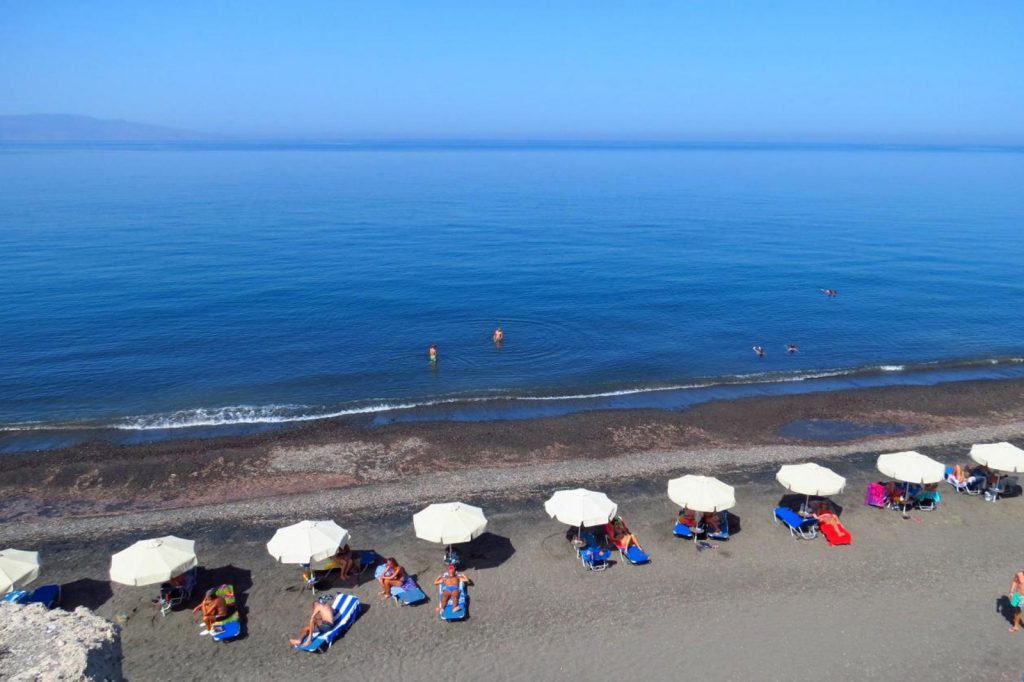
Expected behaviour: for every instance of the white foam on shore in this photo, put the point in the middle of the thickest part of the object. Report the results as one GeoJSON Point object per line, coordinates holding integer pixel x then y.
{"type": "Point", "coordinates": [233, 415]}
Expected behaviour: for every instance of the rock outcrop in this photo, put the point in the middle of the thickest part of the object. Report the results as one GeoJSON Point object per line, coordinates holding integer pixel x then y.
{"type": "Point", "coordinates": [41, 645]}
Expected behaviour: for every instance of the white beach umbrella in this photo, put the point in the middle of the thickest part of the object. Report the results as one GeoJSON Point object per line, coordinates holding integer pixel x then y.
{"type": "Point", "coordinates": [810, 479]}
{"type": "Point", "coordinates": [156, 560]}
{"type": "Point", "coordinates": [911, 467]}
{"type": "Point", "coordinates": [581, 507]}
{"type": "Point", "coordinates": [307, 541]}
{"type": "Point", "coordinates": [999, 456]}
{"type": "Point", "coordinates": [449, 523]}
{"type": "Point", "coordinates": [17, 569]}
{"type": "Point", "coordinates": [701, 493]}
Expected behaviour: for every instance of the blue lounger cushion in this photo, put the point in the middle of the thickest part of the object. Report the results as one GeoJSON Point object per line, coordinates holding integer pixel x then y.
{"type": "Point", "coordinates": [346, 610]}
{"type": "Point", "coordinates": [635, 555]}
{"type": "Point", "coordinates": [449, 612]}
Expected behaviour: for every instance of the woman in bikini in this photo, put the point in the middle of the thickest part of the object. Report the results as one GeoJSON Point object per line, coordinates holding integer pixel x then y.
{"type": "Point", "coordinates": [393, 576]}
{"type": "Point", "coordinates": [620, 535]}
{"type": "Point", "coordinates": [450, 588]}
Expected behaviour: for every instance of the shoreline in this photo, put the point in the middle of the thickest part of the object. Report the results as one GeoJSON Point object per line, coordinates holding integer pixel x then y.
{"type": "Point", "coordinates": [93, 485]}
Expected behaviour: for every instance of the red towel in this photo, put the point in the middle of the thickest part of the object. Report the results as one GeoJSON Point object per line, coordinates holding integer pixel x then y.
{"type": "Point", "coordinates": [836, 533]}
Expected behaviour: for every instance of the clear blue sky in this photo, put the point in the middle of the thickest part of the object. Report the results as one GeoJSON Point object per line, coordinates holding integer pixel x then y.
{"type": "Point", "coordinates": [695, 70]}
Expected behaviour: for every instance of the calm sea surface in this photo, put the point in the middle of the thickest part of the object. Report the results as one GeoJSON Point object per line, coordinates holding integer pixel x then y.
{"type": "Point", "coordinates": [155, 288]}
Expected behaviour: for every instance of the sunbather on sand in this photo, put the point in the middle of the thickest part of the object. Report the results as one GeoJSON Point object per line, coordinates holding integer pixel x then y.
{"type": "Point", "coordinates": [450, 588]}
{"type": "Point", "coordinates": [214, 608]}
{"type": "Point", "coordinates": [827, 517]}
{"type": "Point", "coordinates": [1016, 595]}
{"type": "Point", "coordinates": [620, 536]}
{"type": "Point", "coordinates": [321, 620]}
{"type": "Point", "coordinates": [393, 576]}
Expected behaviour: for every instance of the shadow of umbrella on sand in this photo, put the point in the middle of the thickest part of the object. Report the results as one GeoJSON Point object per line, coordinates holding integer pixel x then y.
{"type": "Point", "coordinates": [487, 551]}
{"type": "Point", "coordinates": [86, 592]}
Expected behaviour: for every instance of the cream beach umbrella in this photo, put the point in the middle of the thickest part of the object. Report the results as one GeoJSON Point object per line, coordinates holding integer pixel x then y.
{"type": "Point", "coordinates": [999, 456]}
{"type": "Point", "coordinates": [17, 569]}
{"type": "Point", "coordinates": [810, 479]}
{"type": "Point", "coordinates": [449, 523]}
{"type": "Point", "coordinates": [911, 467]}
{"type": "Point", "coordinates": [701, 493]}
{"type": "Point", "coordinates": [581, 507]}
{"type": "Point", "coordinates": [307, 541]}
{"type": "Point", "coordinates": [152, 561]}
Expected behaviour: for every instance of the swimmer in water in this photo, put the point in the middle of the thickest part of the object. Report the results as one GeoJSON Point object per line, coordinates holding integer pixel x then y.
{"type": "Point", "coordinates": [498, 336]}
{"type": "Point", "coordinates": [433, 353]}
{"type": "Point", "coordinates": [791, 348]}
{"type": "Point", "coordinates": [759, 351]}
{"type": "Point", "coordinates": [831, 293]}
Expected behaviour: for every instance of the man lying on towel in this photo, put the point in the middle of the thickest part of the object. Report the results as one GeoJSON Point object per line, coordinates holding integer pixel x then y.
{"type": "Point", "coordinates": [449, 583]}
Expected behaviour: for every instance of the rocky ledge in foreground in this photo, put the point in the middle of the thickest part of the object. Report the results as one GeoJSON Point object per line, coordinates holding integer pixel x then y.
{"type": "Point", "coordinates": [36, 644]}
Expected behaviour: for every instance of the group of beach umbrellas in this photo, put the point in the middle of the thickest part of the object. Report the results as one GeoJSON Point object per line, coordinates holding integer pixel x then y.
{"type": "Point", "coordinates": [307, 542]}
{"type": "Point", "coordinates": [157, 560]}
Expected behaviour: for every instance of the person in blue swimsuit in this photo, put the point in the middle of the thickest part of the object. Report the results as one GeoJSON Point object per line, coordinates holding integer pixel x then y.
{"type": "Point", "coordinates": [449, 583]}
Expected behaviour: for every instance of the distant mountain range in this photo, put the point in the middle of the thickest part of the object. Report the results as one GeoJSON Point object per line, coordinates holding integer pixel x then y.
{"type": "Point", "coordinates": [71, 128]}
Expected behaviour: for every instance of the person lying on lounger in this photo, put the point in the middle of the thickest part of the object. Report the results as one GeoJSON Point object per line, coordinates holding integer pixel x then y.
{"type": "Point", "coordinates": [393, 576]}
{"type": "Point", "coordinates": [449, 583]}
{"type": "Point", "coordinates": [620, 536]}
{"type": "Point", "coordinates": [320, 621]}
{"type": "Point", "coordinates": [214, 608]}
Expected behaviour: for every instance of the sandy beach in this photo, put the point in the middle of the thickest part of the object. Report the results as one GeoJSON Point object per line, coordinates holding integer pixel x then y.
{"type": "Point", "coordinates": [918, 596]}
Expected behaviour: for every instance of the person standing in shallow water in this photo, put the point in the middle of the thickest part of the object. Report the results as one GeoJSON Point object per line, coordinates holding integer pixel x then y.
{"type": "Point", "coordinates": [498, 336]}
{"type": "Point", "coordinates": [432, 353]}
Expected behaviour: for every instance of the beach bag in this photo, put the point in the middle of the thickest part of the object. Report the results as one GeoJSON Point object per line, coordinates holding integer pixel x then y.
{"type": "Point", "coordinates": [875, 495]}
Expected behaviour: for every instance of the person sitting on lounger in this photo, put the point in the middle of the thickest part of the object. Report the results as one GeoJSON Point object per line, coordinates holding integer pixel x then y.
{"type": "Point", "coordinates": [712, 522]}
{"type": "Point", "coordinates": [393, 576]}
{"type": "Point", "coordinates": [620, 536]}
{"type": "Point", "coordinates": [214, 608]}
{"type": "Point", "coordinates": [344, 561]}
{"type": "Point", "coordinates": [320, 621]}
{"type": "Point", "coordinates": [449, 583]}
{"type": "Point", "coordinates": [688, 519]}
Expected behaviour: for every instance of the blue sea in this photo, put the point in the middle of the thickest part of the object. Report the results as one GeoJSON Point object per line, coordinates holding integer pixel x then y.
{"type": "Point", "coordinates": [154, 291]}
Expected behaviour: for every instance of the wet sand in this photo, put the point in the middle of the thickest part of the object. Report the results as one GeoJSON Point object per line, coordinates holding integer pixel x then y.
{"type": "Point", "coordinates": [921, 595]}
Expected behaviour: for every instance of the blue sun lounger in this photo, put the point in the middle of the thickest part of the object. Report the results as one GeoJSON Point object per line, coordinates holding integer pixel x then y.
{"type": "Point", "coordinates": [47, 595]}
{"type": "Point", "coordinates": [230, 627]}
{"type": "Point", "coordinates": [799, 526]}
{"type": "Point", "coordinates": [346, 610]}
{"type": "Point", "coordinates": [450, 614]}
